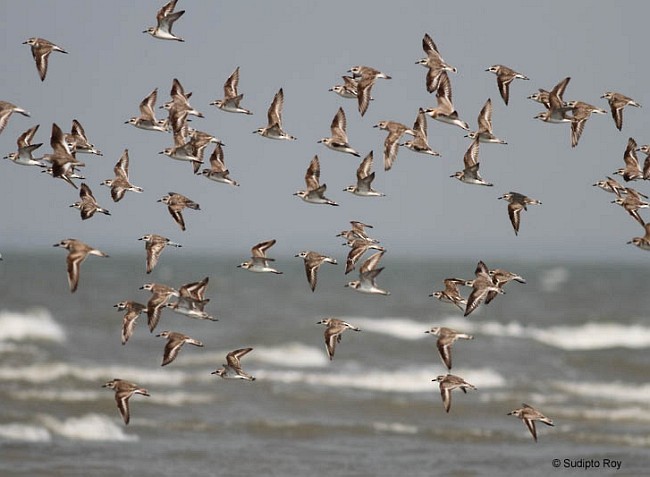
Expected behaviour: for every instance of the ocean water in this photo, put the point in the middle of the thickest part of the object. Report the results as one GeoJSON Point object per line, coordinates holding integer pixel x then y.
{"type": "Point", "coordinates": [572, 342]}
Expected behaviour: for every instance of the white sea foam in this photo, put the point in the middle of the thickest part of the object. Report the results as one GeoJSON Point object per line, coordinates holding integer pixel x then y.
{"type": "Point", "coordinates": [628, 413]}
{"type": "Point", "coordinates": [403, 328]}
{"type": "Point", "coordinates": [89, 427]}
{"type": "Point", "coordinates": [611, 390]}
{"type": "Point", "coordinates": [552, 279]}
{"type": "Point", "coordinates": [588, 336]}
{"type": "Point", "coordinates": [34, 324]}
{"type": "Point", "coordinates": [47, 372]}
{"type": "Point", "coordinates": [24, 432]}
{"type": "Point", "coordinates": [289, 355]}
{"type": "Point", "coordinates": [394, 428]}
{"type": "Point", "coordinates": [410, 380]}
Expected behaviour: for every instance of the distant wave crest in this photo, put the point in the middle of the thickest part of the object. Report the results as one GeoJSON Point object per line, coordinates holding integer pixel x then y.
{"type": "Point", "coordinates": [587, 336]}
{"type": "Point", "coordinates": [34, 324]}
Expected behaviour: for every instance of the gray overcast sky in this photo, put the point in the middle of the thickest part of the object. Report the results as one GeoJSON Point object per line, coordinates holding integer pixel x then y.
{"type": "Point", "coordinates": [305, 47]}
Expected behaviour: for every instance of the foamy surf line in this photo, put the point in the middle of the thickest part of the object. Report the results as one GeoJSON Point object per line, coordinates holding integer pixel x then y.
{"type": "Point", "coordinates": [90, 427]}
{"type": "Point", "coordinates": [408, 380]}
{"type": "Point", "coordinates": [588, 336]}
{"type": "Point", "coordinates": [34, 324]}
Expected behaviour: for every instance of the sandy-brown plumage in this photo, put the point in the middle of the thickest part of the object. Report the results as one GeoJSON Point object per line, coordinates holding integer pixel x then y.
{"type": "Point", "coordinates": [123, 391]}
{"type": "Point", "coordinates": [175, 342]}
{"type": "Point", "coordinates": [41, 49]}
{"type": "Point", "coordinates": [448, 383]}
{"type": "Point", "coordinates": [77, 253]}
{"type": "Point", "coordinates": [529, 415]}
{"type": "Point", "coordinates": [334, 328]}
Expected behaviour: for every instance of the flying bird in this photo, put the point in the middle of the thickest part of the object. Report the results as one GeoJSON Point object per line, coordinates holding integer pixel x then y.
{"type": "Point", "coordinates": [123, 391]}
{"type": "Point", "coordinates": [313, 261]}
{"type": "Point", "coordinates": [434, 63]}
{"type": "Point", "coordinates": [77, 253]}
{"type": "Point", "coordinates": [516, 203]}
{"type": "Point", "coordinates": [88, 205]}
{"type": "Point", "coordinates": [231, 98]}
{"type": "Point", "coordinates": [232, 369]}
{"type": "Point", "coordinates": [529, 415]}
{"type": "Point", "coordinates": [505, 76]}
{"type": "Point", "coordinates": [165, 18]}
{"type": "Point", "coordinates": [334, 328]}
{"type": "Point", "coordinates": [175, 205]}
{"type": "Point", "coordinates": [41, 49]}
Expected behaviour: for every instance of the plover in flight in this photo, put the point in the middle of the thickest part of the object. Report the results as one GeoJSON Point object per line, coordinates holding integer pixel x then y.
{"type": "Point", "coordinates": [481, 286]}
{"type": "Point", "coordinates": [175, 204]}
{"type": "Point", "coordinates": [420, 142]}
{"type": "Point", "coordinates": [357, 248]}
{"type": "Point", "coordinates": [339, 140]}
{"type": "Point", "coordinates": [366, 77]}
{"type": "Point", "coordinates": [361, 71]}
{"type": "Point", "coordinates": [448, 383]}
{"type": "Point", "coordinates": [77, 253]}
{"type": "Point", "coordinates": [556, 110]}
{"type": "Point", "coordinates": [541, 96]}
{"type": "Point", "coordinates": [120, 184]}
{"type": "Point", "coordinates": [24, 155]}
{"type": "Point", "coordinates": [643, 242]}
{"type": "Point", "coordinates": [314, 193]}
{"type": "Point", "coordinates": [367, 276]}
{"type": "Point", "coordinates": [41, 49]}
{"type": "Point", "coordinates": [470, 173]}
{"type": "Point", "coordinates": [363, 187]}
{"type": "Point", "coordinates": [357, 232]}
{"type": "Point", "coordinates": [529, 415]}
{"type": "Point", "coordinates": [147, 119]}
{"type": "Point", "coordinates": [632, 202]}
{"type": "Point", "coordinates": [445, 111]}
{"type": "Point", "coordinates": [218, 171]}
{"type": "Point", "coordinates": [391, 143]}
{"type": "Point", "coordinates": [274, 130]}
{"type": "Point", "coordinates": [484, 132]}
{"type": "Point", "coordinates": [434, 62]}
{"type": "Point", "coordinates": [154, 244]}
{"type": "Point", "coordinates": [500, 278]}
{"type": "Point", "coordinates": [617, 102]}
{"type": "Point", "coordinates": [348, 89]}
{"type": "Point", "coordinates": [451, 294]}
{"type": "Point", "coordinates": [79, 141]}
{"type": "Point", "coordinates": [175, 342]}
{"type": "Point", "coordinates": [191, 300]}
{"type": "Point", "coordinates": [232, 368]}
{"type": "Point", "coordinates": [165, 18]}
{"type": "Point", "coordinates": [632, 170]}
{"type": "Point", "coordinates": [259, 262]}
{"type": "Point", "coordinates": [6, 110]}
{"type": "Point", "coordinates": [505, 76]}
{"type": "Point", "coordinates": [231, 98]}
{"type": "Point", "coordinates": [160, 295]}
{"type": "Point", "coordinates": [123, 391]}
{"type": "Point", "coordinates": [611, 185]}
{"type": "Point", "coordinates": [63, 161]}
{"type": "Point", "coordinates": [446, 338]}
{"type": "Point", "coordinates": [581, 112]}
{"type": "Point", "coordinates": [335, 328]}
{"type": "Point", "coordinates": [88, 205]}
{"type": "Point", "coordinates": [133, 310]}
{"type": "Point", "coordinates": [516, 203]}
{"type": "Point", "coordinates": [313, 261]}
{"type": "Point", "coordinates": [179, 102]}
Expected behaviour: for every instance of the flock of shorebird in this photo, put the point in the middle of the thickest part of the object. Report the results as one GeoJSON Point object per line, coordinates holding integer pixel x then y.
{"type": "Point", "coordinates": [190, 144]}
